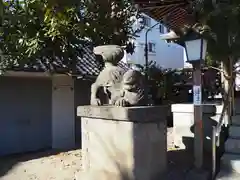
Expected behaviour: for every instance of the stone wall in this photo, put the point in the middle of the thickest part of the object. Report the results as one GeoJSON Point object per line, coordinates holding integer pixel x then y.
{"type": "Point", "coordinates": [183, 124]}
{"type": "Point", "coordinates": [124, 143]}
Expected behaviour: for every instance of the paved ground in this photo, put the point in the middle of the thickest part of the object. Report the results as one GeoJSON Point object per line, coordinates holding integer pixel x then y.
{"type": "Point", "coordinates": [66, 166]}
{"type": "Point", "coordinates": [41, 166]}
{"type": "Point", "coordinates": [179, 161]}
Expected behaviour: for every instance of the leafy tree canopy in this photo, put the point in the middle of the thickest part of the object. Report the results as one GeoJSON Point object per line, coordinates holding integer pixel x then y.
{"type": "Point", "coordinates": [220, 22]}
{"type": "Point", "coordinates": [54, 29]}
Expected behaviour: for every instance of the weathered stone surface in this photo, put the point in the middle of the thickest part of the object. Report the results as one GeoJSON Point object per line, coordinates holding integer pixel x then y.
{"type": "Point", "coordinates": [230, 162]}
{"type": "Point", "coordinates": [117, 148]}
{"type": "Point", "coordinates": [236, 120]}
{"type": "Point", "coordinates": [232, 145]}
{"type": "Point", "coordinates": [115, 85]}
{"type": "Point", "coordinates": [226, 175]}
{"type": "Point", "coordinates": [234, 131]}
{"type": "Point", "coordinates": [136, 113]}
{"type": "Point", "coordinates": [183, 124]}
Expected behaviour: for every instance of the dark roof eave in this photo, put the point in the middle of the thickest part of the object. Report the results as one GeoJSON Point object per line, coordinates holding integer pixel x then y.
{"type": "Point", "coordinates": [172, 13]}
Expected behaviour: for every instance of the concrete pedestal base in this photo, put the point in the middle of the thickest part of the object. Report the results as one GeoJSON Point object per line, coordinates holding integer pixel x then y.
{"type": "Point", "coordinates": [124, 143]}
{"type": "Point", "coordinates": [183, 124]}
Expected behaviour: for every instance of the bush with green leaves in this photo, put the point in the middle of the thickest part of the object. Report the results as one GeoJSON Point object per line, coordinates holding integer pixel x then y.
{"type": "Point", "coordinates": [50, 29]}
{"type": "Point", "coordinates": [160, 81]}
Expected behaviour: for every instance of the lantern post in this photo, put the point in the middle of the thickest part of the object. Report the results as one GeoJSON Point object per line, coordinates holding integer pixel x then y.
{"type": "Point", "coordinates": [196, 48]}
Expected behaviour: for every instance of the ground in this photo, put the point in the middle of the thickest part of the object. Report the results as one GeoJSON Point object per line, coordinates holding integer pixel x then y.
{"type": "Point", "coordinates": [180, 162]}
{"type": "Point", "coordinates": [42, 166]}
{"type": "Point", "coordinates": [67, 165]}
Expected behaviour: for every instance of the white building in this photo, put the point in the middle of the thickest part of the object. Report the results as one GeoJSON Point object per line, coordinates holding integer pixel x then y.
{"type": "Point", "coordinates": [166, 55]}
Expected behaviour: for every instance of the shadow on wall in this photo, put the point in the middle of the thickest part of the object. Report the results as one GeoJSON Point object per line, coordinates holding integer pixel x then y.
{"type": "Point", "coordinates": [119, 163]}
{"type": "Point", "coordinates": [181, 157]}
{"type": "Point", "coordinates": [180, 162]}
{"type": "Point", "coordinates": [124, 150]}
{"type": "Point", "coordinates": [223, 170]}
{"type": "Point", "coordinates": [7, 163]}
{"type": "Point", "coordinates": [227, 170]}
{"type": "Point", "coordinates": [82, 97]}
{"type": "Point", "coordinates": [111, 151]}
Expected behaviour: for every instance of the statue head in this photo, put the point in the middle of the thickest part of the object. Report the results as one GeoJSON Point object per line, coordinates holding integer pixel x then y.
{"type": "Point", "coordinates": [110, 53]}
{"type": "Point", "coordinates": [132, 79]}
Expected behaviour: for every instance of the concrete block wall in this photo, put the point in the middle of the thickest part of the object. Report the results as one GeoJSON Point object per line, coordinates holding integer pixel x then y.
{"type": "Point", "coordinates": [124, 143]}
{"type": "Point", "coordinates": [183, 124]}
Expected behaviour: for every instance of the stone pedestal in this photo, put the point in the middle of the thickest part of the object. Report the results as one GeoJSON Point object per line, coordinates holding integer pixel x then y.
{"type": "Point", "coordinates": [183, 124]}
{"type": "Point", "coordinates": [124, 143]}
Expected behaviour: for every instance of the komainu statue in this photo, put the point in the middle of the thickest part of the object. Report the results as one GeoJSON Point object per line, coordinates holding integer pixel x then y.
{"type": "Point", "coordinates": [115, 85]}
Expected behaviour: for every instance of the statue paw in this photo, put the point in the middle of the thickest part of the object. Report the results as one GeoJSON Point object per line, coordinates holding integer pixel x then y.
{"type": "Point", "coordinates": [121, 102]}
{"type": "Point", "coordinates": [96, 102]}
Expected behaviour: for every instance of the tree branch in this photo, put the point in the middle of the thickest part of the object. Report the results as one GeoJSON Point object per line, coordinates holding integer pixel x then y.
{"type": "Point", "coordinates": [220, 70]}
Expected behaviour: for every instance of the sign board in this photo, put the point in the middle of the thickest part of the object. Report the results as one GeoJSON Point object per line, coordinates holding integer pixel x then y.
{"type": "Point", "coordinates": [197, 95]}
{"type": "Point", "coordinates": [237, 82]}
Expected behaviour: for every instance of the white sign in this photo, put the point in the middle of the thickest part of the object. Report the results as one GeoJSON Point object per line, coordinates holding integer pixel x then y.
{"type": "Point", "coordinates": [197, 95]}
{"type": "Point", "coordinates": [237, 82]}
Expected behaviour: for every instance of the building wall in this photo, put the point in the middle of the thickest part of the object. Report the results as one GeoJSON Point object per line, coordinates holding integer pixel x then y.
{"type": "Point", "coordinates": [26, 113]}
{"type": "Point", "coordinates": [166, 55]}
{"type": "Point", "coordinates": [63, 112]}
{"type": "Point", "coordinates": [82, 97]}
{"type": "Point", "coordinates": [25, 108]}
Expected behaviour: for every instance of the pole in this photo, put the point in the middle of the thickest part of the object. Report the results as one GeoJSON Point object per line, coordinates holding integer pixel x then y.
{"type": "Point", "coordinates": [146, 48]}
{"type": "Point", "coordinates": [146, 58]}
{"type": "Point", "coordinates": [213, 152]}
{"type": "Point", "coordinates": [198, 124]}
{"type": "Point", "coordinates": [232, 99]}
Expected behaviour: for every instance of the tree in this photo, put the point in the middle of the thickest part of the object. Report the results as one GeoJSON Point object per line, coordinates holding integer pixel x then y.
{"type": "Point", "coordinates": [110, 21]}
{"type": "Point", "coordinates": [160, 81]}
{"type": "Point", "coordinates": [46, 31]}
{"type": "Point", "coordinates": [36, 31]}
{"type": "Point", "coordinates": [210, 61]}
{"type": "Point", "coordinates": [221, 22]}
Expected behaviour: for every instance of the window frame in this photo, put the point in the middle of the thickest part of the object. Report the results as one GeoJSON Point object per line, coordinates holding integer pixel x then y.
{"type": "Point", "coordinates": [152, 47]}
{"type": "Point", "coordinates": [161, 28]}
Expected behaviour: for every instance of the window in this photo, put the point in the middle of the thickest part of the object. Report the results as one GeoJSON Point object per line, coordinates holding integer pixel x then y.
{"type": "Point", "coordinates": [146, 21]}
{"type": "Point", "coordinates": [161, 29]}
{"type": "Point", "coordinates": [152, 47]}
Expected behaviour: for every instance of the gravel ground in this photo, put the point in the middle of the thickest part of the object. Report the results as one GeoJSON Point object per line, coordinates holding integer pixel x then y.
{"type": "Point", "coordinates": [41, 166]}
{"type": "Point", "coordinates": [67, 166]}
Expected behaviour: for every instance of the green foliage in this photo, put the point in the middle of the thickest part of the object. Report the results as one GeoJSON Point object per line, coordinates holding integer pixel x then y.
{"type": "Point", "coordinates": [224, 23]}
{"type": "Point", "coordinates": [209, 61]}
{"type": "Point", "coordinates": [160, 80]}
{"type": "Point", "coordinates": [47, 30]}
{"type": "Point", "coordinates": [110, 21]}
{"type": "Point", "coordinates": [220, 24]}
{"type": "Point", "coordinates": [222, 20]}
{"type": "Point", "coordinates": [154, 73]}
{"type": "Point", "coordinates": [39, 29]}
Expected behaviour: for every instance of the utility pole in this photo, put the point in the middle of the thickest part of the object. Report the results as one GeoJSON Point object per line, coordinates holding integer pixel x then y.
{"type": "Point", "coordinates": [198, 124]}
{"type": "Point", "coordinates": [146, 60]}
